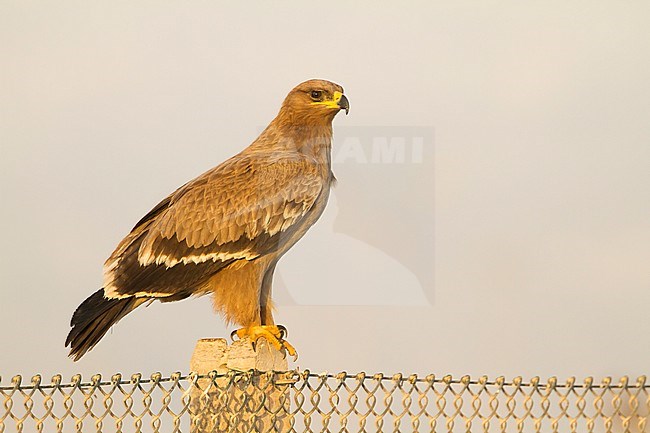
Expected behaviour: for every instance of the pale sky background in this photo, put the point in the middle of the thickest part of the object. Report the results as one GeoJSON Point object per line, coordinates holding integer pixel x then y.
{"type": "Point", "coordinates": [517, 238]}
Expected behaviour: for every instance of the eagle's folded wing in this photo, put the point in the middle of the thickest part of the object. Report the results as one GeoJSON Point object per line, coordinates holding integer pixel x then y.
{"type": "Point", "coordinates": [238, 211]}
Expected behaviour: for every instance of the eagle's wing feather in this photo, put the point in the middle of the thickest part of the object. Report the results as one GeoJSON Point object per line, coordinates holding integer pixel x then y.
{"type": "Point", "coordinates": [238, 210]}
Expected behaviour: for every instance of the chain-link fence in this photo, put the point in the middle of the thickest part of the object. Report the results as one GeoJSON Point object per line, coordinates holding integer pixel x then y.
{"type": "Point", "coordinates": [305, 402]}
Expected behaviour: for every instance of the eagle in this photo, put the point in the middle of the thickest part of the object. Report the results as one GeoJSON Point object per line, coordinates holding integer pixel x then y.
{"type": "Point", "coordinates": [223, 232]}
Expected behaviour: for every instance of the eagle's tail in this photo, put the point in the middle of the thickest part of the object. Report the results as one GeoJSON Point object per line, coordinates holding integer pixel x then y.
{"type": "Point", "coordinates": [93, 318]}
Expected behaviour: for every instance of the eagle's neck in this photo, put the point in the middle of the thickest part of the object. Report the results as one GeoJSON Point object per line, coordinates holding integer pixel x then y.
{"type": "Point", "coordinates": [290, 132]}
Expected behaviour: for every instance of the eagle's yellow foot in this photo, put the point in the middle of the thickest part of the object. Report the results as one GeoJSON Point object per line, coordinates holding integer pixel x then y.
{"type": "Point", "coordinates": [274, 334]}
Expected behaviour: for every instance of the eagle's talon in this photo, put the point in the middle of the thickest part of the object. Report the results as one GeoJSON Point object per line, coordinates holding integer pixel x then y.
{"type": "Point", "coordinates": [290, 350]}
{"type": "Point", "coordinates": [273, 334]}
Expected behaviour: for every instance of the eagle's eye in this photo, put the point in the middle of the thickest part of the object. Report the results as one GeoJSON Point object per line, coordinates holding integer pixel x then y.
{"type": "Point", "coordinates": [316, 94]}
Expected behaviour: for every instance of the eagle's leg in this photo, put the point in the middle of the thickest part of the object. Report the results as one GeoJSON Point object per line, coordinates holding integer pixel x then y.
{"type": "Point", "coordinates": [271, 333]}
{"type": "Point", "coordinates": [264, 326]}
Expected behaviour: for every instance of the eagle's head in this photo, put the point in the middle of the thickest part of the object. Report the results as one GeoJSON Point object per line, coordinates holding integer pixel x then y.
{"type": "Point", "coordinates": [315, 101]}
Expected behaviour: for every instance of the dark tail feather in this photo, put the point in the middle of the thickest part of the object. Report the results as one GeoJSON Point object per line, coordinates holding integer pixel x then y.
{"type": "Point", "coordinates": [93, 318]}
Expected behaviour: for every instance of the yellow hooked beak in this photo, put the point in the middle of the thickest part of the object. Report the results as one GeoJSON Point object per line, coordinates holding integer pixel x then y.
{"type": "Point", "coordinates": [338, 102]}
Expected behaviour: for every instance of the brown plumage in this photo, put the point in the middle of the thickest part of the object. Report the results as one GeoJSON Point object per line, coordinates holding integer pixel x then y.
{"type": "Point", "coordinates": [223, 232]}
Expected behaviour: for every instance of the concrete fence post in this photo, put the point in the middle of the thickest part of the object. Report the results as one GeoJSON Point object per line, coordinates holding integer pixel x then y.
{"type": "Point", "coordinates": [235, 402]}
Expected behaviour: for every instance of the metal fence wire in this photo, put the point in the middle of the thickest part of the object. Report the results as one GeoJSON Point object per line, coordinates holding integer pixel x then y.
{"type": "Point", "coordinates": [301, 401]}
